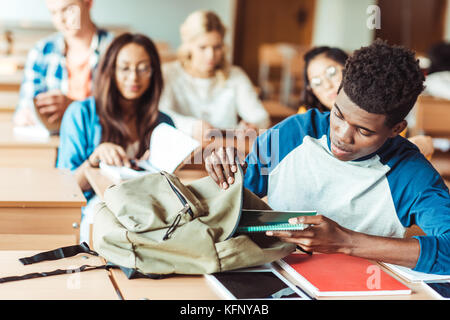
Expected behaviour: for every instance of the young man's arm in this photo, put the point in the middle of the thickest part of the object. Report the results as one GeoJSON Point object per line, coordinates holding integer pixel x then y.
{"type": "Point", "coordinates": [420, 197]}
{"type": "Point", "coordinates": [326, 236]}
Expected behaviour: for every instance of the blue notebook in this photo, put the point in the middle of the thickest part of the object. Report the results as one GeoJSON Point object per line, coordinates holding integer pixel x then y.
{"type": "Point", "coordinates": [270, 220]}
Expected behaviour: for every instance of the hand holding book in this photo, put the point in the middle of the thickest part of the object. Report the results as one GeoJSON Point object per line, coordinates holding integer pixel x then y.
{"type": "Point", "coordinates": [111, 154]}
{"type": "Point", "coordinates": [169, 148]}
{"type": "Point", "coordinates": [323, 234]}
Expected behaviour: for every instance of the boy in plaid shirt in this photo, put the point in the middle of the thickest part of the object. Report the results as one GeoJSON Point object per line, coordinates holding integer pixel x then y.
{"type": "Point", "coordinates": [59, 69]}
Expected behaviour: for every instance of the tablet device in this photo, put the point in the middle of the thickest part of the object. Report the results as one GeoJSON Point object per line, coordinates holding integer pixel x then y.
{"type": "Point", "coordinates": [441, 289]}
{"type": "Point", "coordinates": [255, 284]}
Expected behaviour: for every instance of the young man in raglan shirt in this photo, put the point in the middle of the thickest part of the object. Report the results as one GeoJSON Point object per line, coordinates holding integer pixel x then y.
{"type": "Point", "coordinates": [366, 182]}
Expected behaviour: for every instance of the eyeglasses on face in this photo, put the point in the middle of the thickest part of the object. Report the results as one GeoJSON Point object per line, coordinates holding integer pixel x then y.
{"type": "Point", "coordinates": [143, 70]}
{"type": "Point", "coordinates": [330, 73]}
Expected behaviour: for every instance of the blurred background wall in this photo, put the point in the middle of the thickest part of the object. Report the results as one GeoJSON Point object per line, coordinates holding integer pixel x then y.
{"type": "Point", "coordinates": [253, 26]}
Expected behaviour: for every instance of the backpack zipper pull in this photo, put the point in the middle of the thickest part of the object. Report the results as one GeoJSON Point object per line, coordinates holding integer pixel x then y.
{"type": "Point", "coordinates": [176, 222]}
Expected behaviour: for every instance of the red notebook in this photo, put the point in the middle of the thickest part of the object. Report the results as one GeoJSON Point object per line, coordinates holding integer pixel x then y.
{"type": "Point", "coordinates": [341, 275]}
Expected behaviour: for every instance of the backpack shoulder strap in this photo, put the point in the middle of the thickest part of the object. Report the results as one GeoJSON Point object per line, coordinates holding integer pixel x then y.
{"type": "Point", "coordinates": [53, 273]}
{"type": "Point", "coordinates": [59, 253]}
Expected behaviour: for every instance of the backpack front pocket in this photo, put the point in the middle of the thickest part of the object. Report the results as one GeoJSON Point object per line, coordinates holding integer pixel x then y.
{"type": "Point", "coordinates": [151, 202]}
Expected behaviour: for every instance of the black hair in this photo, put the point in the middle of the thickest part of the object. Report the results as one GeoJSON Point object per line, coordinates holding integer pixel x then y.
{"type": "Point", "coordinates": [439, 55]}
{"type": "Point", "coordinates": [308, 98]}
{"type": "Point", "coordinates": [383, 79]}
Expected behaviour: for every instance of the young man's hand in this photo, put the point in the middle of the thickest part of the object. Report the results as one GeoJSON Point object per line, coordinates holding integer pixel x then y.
{"type": "Point", "coordinates": [221, 166]}
{"type": "Point", "coordinates": [323, 235]}
{"type": "Point", "coordinates": [52, 104]}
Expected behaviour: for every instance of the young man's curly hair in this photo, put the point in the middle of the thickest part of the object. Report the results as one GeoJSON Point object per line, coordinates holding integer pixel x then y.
{"type": "Point", "coordinates": [383, 79]}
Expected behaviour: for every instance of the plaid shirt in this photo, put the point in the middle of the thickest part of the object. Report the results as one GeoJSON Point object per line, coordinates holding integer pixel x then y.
{"type": "Point", "coordinates": [45, 68]}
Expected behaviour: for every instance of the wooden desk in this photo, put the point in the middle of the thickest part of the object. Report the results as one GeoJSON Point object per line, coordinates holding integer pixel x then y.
{"type": "Point", "coordinates": [39, 202]}
{"type": "Point", "coordinates": [21, 152]}
{"type": "Point", "coordinates": [8, 103]}
{"type": "Point", "coordinates": [433, 116]}
{"type": "Point", "coordinates": [11, 82]}
{"type": "Point", "coordinates": [198, 287]}
{"type": "Point", "coordinates": [88, 285]}
{"type": "Point", "coordinates": [180, 287]}
{"type": "Point", "coordinates": [277, 111]}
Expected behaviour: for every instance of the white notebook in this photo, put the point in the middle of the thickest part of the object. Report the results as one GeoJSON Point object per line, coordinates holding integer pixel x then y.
{"type": "Point", "coordinates": [32, 133]}
{"type": "Point", "coordinates": [413, 276]}
{"type": "Point", "coordinates": [169, 148]}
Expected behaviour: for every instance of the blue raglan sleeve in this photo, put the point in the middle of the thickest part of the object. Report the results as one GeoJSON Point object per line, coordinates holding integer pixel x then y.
{"type": "Point", "coordinates": [431, 209]}
{"type": "Point", "coordinates": [258, 164]}
{"type": "Point", "coordinates": [421, 197]}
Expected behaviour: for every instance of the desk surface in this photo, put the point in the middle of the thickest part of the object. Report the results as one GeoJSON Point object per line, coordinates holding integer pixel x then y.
{"type": "Point", "coordinates": [9, 139]}
{"type": "Point", "coordinates": [98, 284]}
{"type": "Point", "coordinates": [39, 187]}
{"type": "Point", "coordinates": [12, 79]}
{"type": "Point", "coordinates": [86, 285]}
{"type": "Point", "coordinates": [198, 288]}
{"type": "Point", "coordinates": [277, 111]}
{"type": "Point", "coordinates": [179, 287]}
{"type": "Point", "coordinates": [8, 101]}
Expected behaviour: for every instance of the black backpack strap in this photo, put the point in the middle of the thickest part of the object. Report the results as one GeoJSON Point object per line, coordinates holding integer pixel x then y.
{"type": "Point", "coordinates": [54, 273]}
{"type": "Point", "coordinates": [67, 252]}
{"type": "Point", "coordinates": [59, 253]}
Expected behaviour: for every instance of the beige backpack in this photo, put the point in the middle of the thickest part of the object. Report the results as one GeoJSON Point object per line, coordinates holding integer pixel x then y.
{"type": "Point", "coordinates": [157, 225]}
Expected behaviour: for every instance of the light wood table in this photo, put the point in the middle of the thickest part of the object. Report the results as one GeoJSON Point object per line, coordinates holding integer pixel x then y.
{"type": "Point", "coordinates": [8, 103]}
{"type": "Point", "coordinates": [433, 116]}
{"type": "Point", "coordinates": [179, 287]}
{"type": "Point", "coordinates": [88, 285]}
{"type": "Point", "coordinates": [188, 287]}
{"type": "Point", "coordinates": [39, 202]}
{"type": "Point", "coordinates": [11, 82]}
{"type": "Point", "coordinates": [21, 152]}
{"type": "Point", "coordinates": [277, 111]}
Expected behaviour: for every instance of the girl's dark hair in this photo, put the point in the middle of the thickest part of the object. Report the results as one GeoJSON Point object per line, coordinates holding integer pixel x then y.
{"type": "Point", "coordinates": [439, 55]}
{"type": "Point", "coordinates": [107, 95]}
{"type": "Point", "coordinates": [308, 98]}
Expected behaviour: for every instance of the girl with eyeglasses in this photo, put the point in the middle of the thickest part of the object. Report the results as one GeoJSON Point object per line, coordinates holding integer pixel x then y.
{"type": "Point", "coordinates": [115, 124]}
{"type": "Point", "coordinates": [322, 78]}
